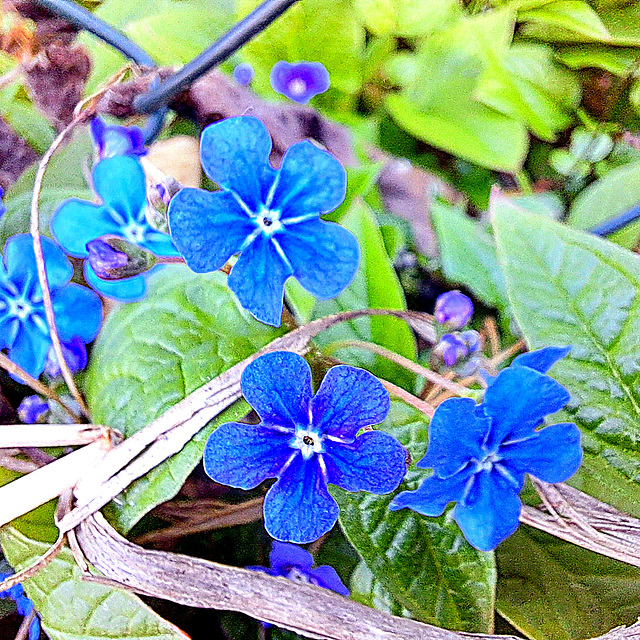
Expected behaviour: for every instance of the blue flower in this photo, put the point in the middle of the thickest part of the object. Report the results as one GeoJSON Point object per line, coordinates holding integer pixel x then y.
{"type": "Point", "coordinates": [3, 209]}
{"type": "Point", "coordinates": [454, 309]}
{"type": "Point", "coordinates": [23, 326]}
{"type": "Point", "coordinates": [480, 453]}
{"type": "Point", "coordinates": [243, 74]}
{"type": "Point", "coordinates": [272, 218]}
{"type": "Point", "coordinates": [114, 140]}
{"type": "Point", "coordinates": [306, 442]}
{"type": "Point", "coordinates": [120, 183]}
{"type": "Point", "coordinates": [33, 409]}
{"type": "Point", "coordinates": [24, 605]}
{"type": "Point", "coordinates": [299, 81]}
{"type": "Point", "coordinates": [294, 563]}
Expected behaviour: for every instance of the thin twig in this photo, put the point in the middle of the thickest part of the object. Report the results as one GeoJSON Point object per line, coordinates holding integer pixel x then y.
{"type": "Point", "coordinates": [11, 76]}
{"type": "Point", "coordinates": [401, 361]}
{"type": "Point", "coordinates": [51, 435]}
{"type": "Point", "coordinates": [507, 353]}
{"type": "Point", "coordinates": [36, 385]}
{"type": "Point", "coordinates": [23, 631]}
{"type": "Point", "coordinates": [491, 331]}
{"type": "Point", "coordinates": [42, 272]}
{"type": "Point", "coordinates": [8, 461]}
{"type": "Point", "coordinates": [409, 398]}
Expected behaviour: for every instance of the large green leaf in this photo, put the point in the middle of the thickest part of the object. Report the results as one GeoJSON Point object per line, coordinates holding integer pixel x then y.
{"type": "Point", "coordinates": [422, 567]}
{"type": "Point", "coordinates": [468, 254]}
{"type": "Point", "coordinates": [161, 28]}
{"type": "Point", "coordinates": [312, 30]}
{"type": "Point", "coordinates": [74, 609]}
{"type": "Point", "coordinates": [552, 590]}
{"type": "Point", "coordinates": [153, 353]}
{"type": "Point", "coordinates": [567, 287]}
{"type": "Point", "coordinates": [64, 178]}
{"type": "Point", "coordinates": [576, 16]}
{"type": "Point", "coordinates": [375, 286]}
{"type": "Point", "coordinates": [618, 190]}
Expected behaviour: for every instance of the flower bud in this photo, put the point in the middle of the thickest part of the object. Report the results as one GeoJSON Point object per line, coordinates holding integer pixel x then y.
{"type": "Point", "coordinates": [33, 409]}
{"type": "Point", "coordinates": [113, 258]}
{"type": "Point", "coordinates": [243, 74]}
{"type": "Point", "coordinates": [454, 309]}
{"type": "Point", "coordinates": [451, 348]}
{"type": "Point", "coordinates": [159, 196]}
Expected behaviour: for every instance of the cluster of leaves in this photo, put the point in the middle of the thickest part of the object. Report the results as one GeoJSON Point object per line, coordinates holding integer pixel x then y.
{"type": "Point", "coordinates": [524, 91]}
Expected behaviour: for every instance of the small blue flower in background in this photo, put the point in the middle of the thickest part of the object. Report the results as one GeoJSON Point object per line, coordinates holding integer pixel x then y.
{"type": "Point", "coordinates": [75, 355]}
{"type": "Point", "coordinates": [115, 140]}
{"type": "Point", "coordinates": [24, 605]}
{"type": "Point", "coordinates": [33, 409]}
{"type": "Point", "coordinates": [480, 454]}
{"type": "Point", "coordinates": [299, 81]}
{"type": "Point", "coordinates": [243, 74]}
{"type": "Point", "coordinates": [3, 209]}
{"type": "Point", "coordinates": [454, 309]}
{"type": "Point", "coordinates": [306, 442]}
{"type": "Point", "coordinates": [272, 218]}
{"type": "Point", "coordinates": [120, 183]}
{"type": "Point", "coordinates": [294, 563]}
{"type": "Point", "coordinates": [458, 347]}
{"type": "Point", "coordinates": [23, 326]}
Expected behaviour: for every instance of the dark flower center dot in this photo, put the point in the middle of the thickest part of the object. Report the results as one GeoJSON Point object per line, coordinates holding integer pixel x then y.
{"type": "Point", "coordinates": [308, 440]}
{"type": "Point", "coordinates": [267, 222]}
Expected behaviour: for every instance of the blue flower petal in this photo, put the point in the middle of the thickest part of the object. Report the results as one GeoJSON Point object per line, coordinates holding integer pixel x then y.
{"type": "Point", "coordinates": [541, 360]}
{"type": "Point", "coordinates": [283, 556]}
{"type": "Point", "coordinates": [456, 434]}
{"type": "Point", "coordinates": [278, 387]}
{"type": "Point", "coordinates": [235, 155]}
{"type": "Point", "coordinates": [327, 578]}
{"type": "Point", "coordinates": [30, 348]}
{"type": "Point", "coordinates": [324, 256]}
{"type": "Point", "coordinates": [22, 270]}
{"type": "Point", "coordinates": [490, 512]}
{"type": "Point", "coordinates": [207, 228]}
{"type": "Point", "coordinates": [244, 455]}
{"type": "Point", "coordinates": [310, 181]}
{"type": "Point", "coordinates": [348, 400]}
{"type": "Point", "coordinates": [78, 313]}
{"type": "Point", "coordinates": [374, 462]}
{"type": "Point", "coordinates": [77, 222]}
{"type": "Point", "coordinates": [160, 244]}
{"type": "Point", "coordinates": [34, 629]}
{"type": "Point", "coordinates": [121, 183]}
{"type": "Point", "coordinates": [9, 326]}
{"type": "Point", "coordinates": [517, 402]}
{"type": "Point", "coordinates": [126, 290]}
{"type": "Point", "coordinates": [553, 454]}
{"type": "Point", "coordinates": [258, 280]}
{"type": "Point", "coordinates": [433, 494]}
{"type": "Point", "coordinates": [298, 508]}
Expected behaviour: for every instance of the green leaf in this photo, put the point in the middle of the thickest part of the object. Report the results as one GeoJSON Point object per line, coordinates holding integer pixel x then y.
{"type": "Point", "coordinates": [74, 609]}
{"type": "Point", "coordinates": [616, 60]}
{"type": "Point", "coordinates": [573, 15]}
{"type": "Point", "coordinates": [438, 102]}
{"type": "Point", "coordinates": [64, 179]}
{"type": "Point", "coordinates": [312, 30]}
{"type": "Point", "coordinates": [160, 27]}
{"type": "Point", "coordinates": [552, 590]}
{"type": "Point", "coordinates": [567, 287]}
{"type": "Point", "coordinates": [152, 354]}
{"type": "Point", "coordinates": [422, 567]}
{"type": "Point", "coordinates": [406, 18]}
{"type": "Point", "coordinates": [617, 191]}
{"type": "Point", "coordinates": [468, 254]}
{"type": "Point", "coordinates": [375, 286]}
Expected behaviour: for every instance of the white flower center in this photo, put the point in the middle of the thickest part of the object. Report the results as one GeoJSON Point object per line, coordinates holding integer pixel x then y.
{"type": "Point", "coordinates": [20, 308]}
{"type": "Point", "coordinates": [487, 463]}
{"type": "Point", "coordinates": [134, 233]}
{"type": "Point", "coordinates": [269, 221]}
{"type": "Point", "coordinates": [309, 442]}
{"type": "Point", "coordinates": [297, 87]}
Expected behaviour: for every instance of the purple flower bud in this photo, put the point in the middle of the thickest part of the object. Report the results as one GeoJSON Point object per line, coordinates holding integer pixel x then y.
{"type": "Point", "coordinates": [33, 409]}
{"type": "Point", "coordinates": [114, 140]}
{"type": "Point", "coordinates": [3, 209]}
{"type": "Point", "coordinates": [454, 309]}
{"type": "Point", "coordinates": [472, 339]}
{"type": "Point", "coordinates": [243, 74]}
{"type": "Point", "coordinates": [75, 355]}
{"type": "Point", "coordinates": [104, 259]}
{"type": "Point", "coordinates": [299, 81]}
{"type": "Point", "coordinates": [452, 348]}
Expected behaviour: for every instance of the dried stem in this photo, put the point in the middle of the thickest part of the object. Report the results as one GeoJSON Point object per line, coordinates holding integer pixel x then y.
{"type": "Point", "coordinates": [401, 361]}
{"type": "Point", "coordinates": [23, 631]}
{"type": "Point", "coordinates": [8, 461]}
{"type": "Point", "coordinates": [51, 435]}
{"type": "Point", "coordinates": [42, 272]}
{"type": "Point", "coordinates": [409, 398]}
{"type": "Point", "coordinates": [36, 385]}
